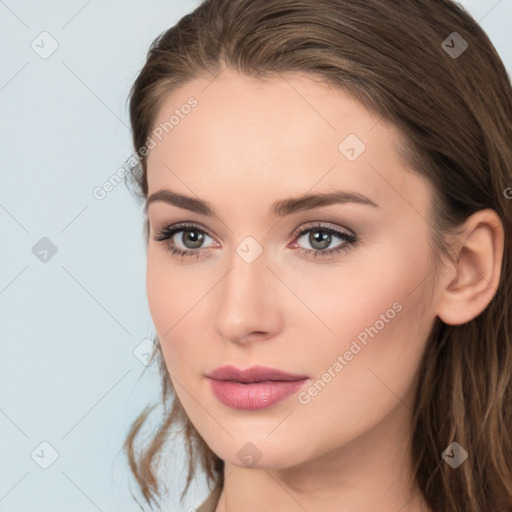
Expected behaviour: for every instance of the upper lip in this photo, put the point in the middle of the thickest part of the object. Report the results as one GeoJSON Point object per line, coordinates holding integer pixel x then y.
{"type": "Point", "coordinates": [252, 374]}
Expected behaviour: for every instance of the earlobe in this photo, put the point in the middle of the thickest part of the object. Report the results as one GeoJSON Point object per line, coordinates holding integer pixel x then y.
{"type": "Point", "coordinates": [472, 282]}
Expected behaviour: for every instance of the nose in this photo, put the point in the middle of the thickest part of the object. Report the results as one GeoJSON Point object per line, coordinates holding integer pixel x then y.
{"type": "Point", "coordinates": [247, 302]}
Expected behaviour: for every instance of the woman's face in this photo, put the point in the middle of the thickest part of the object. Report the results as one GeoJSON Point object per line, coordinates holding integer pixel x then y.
{"type": "Point", "coordinates": [353, 320]}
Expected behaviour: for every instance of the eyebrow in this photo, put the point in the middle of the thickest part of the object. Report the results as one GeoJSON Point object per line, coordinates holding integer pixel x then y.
{"type": "Point", "coordinates": [280, 208]}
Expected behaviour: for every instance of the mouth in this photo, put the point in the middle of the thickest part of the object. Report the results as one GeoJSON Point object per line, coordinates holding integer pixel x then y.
{"type": "Point", "coordinates": [254, 388]}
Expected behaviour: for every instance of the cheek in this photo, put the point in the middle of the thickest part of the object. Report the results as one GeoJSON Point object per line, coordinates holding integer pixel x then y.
{"type": "Point", "coordinates": [380, 328]}
{"type": "Point", "coordinates": [168, 297]}
{"type": "Point", "coordinates": [158, 291]}
{"type": "Point", "coordinates": [176, 296]}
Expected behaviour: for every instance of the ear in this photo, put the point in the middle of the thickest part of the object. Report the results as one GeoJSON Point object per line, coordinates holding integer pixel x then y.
{"type": "Point", "coordinates": [471, 282]}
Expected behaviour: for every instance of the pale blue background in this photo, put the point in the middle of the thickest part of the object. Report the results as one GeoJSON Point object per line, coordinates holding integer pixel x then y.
{"type": "Point", "coordinates": [68, 375]}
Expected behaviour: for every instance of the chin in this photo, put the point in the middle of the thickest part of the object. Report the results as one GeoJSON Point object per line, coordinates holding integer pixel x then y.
{"type": "Point", "coordinates": [260, 454]}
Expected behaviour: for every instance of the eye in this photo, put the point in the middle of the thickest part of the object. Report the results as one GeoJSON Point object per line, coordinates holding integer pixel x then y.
{"type": "Point", "coordinates": [320, 237]}
{"type": "Point", "coordinates": [192, 238]}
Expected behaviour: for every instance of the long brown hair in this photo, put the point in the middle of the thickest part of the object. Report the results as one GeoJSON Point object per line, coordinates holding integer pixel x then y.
{"type": "Point", "coordinates": [451, 98]}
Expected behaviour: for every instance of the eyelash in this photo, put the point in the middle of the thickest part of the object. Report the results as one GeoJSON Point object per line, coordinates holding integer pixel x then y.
{"type": "Point", "coordinates": [169, 231]}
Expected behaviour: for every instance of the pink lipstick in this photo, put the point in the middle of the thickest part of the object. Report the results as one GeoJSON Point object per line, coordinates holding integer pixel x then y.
{"type": "Point", "coordinates": [257, 387]}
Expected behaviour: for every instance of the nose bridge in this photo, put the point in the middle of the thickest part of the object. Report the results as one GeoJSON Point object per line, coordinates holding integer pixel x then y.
{"type": "Point", "coordinates": [246, 299]}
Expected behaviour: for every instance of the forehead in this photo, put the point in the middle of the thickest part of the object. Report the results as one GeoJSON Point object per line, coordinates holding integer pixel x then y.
{"type": "Point", "coordinates": [285, 136]}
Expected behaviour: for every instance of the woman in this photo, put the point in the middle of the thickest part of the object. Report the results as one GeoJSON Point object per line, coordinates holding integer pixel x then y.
{"type": "Point", "coordinates": [327, 189]}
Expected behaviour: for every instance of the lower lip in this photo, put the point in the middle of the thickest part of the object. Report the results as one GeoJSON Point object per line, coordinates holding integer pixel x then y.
{"type": "Point", "coordinates": [256, 395]}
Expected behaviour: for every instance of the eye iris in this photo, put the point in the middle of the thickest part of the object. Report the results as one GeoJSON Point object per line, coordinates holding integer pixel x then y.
{"type": "Point", "coordinates": [319, 237]}
{"type": "Point", "coordinates": [196, 238]}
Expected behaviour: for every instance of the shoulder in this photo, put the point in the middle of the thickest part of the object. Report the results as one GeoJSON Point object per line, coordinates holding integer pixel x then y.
{"type": "Point", "coordinates": [210, 504]}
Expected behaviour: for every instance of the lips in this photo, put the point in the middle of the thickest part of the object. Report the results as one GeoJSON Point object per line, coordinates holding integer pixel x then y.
{"type": "Point", "coordinates": [257, 387]}
{"type": "Point", "coordinates": [253, 374]}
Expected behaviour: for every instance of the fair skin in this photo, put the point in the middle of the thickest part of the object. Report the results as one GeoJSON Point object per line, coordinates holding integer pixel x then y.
{"type": "Point", "coordinates": [247, 144]}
